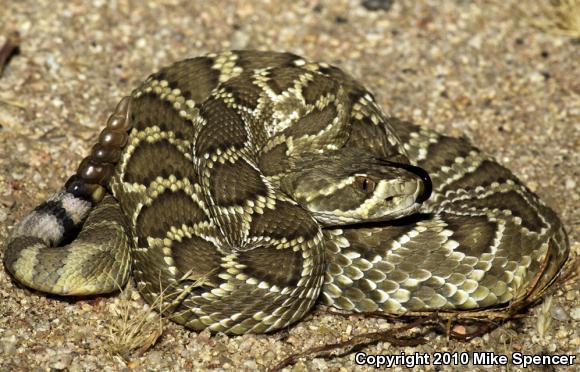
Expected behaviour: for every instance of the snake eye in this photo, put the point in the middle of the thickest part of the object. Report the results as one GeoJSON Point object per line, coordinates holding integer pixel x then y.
{"type": "Point", "coordinates": [366, 184]}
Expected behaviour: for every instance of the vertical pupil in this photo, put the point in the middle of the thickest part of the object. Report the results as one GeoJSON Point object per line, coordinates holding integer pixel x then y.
{"type": "Point", "coordinates": [365, 184]}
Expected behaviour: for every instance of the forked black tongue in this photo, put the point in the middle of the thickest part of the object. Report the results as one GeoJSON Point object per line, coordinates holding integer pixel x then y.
{"type": "Point", "coordinates": [422, 174]}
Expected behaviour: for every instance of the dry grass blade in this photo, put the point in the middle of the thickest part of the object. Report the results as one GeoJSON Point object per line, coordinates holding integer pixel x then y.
{"type": "Point", "coordinates": [570, 273]}
{"type": "Point", "coordinates": [17, 104]}
{"type": "Point", "coordinates": [544, 318]}
{"type": "Point", "coordinates": [135, 331]}
{"type": "Point", "coordinates": [137, 328]}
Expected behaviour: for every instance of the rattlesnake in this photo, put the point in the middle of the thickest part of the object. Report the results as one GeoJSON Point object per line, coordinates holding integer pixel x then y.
{"type": "Point", "coordinates": [241, 187]}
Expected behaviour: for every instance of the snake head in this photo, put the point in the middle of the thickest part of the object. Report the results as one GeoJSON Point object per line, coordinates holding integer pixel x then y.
{"type": "Point", "coordinates": [348, 188]}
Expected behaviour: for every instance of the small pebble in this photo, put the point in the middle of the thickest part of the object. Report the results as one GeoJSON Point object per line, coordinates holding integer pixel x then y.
{"type": "Point", "coordinates": [536, 77]}
{"type": "Point", "coordinates": [155, 357]}
{"type": "Point", "coordinates": [251, 365]}
{"type": "Point", "coordinates": [52, 63]}
{"type": "Point", "coordinates": [319, 364]}
{"type": "Point", "coordinates": [240, 40]}
{"type": "Point", "coordinates": [475, 42]}
{"type": "Point", "coordinates": [246, 344]}
{"type": "Point", "coordinates": [61, 360]}
{"type": "Point", "coordinates": [269, 356]}
{"type": "Point", "coordinates": [8, 344]}
{"type": "Point", "coordinates": [204, 335]}
{"type": "Point", "coordinates": [559, 313]}
{"type": "Point", "coordinates": [459, 329]}
{"type": "Point", "coordinates": [300, 367]}
{"type": "Point", "coordinates": [132, 364]}
{"type": "Point", "coordinates": [374, 5]}
{"type": "Point", "coordinates": [57, 102]}
{"type": "Point", "coordinates": [575, 313]}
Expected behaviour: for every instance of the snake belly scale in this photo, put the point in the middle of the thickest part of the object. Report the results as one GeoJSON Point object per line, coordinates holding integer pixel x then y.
{"type": "Point", "coordinates": [241, 187]}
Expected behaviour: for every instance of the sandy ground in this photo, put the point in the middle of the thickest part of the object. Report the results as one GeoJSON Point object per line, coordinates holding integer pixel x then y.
{"type": "Point", "coordinates": [465, 68]}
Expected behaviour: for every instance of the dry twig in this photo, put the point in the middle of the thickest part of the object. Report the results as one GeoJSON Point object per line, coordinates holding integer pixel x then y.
{"type": "Point", "coordinates": [358, 342]}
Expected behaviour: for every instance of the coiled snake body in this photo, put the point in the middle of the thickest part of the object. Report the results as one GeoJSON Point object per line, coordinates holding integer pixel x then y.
{"type": "Point", "coordinates": [242, 186]}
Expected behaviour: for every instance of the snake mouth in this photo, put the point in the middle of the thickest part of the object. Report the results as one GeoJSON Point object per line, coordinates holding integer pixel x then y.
{"type": "Point", "coordinates": [401, 205]}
